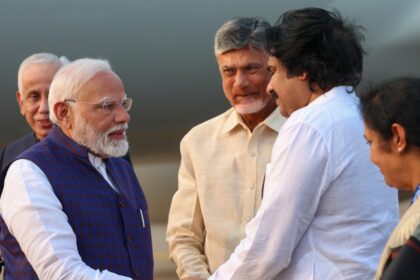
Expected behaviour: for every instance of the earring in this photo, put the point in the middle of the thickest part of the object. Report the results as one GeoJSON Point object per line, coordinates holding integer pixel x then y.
{"type": "Point", "coordinates": [400, 149]}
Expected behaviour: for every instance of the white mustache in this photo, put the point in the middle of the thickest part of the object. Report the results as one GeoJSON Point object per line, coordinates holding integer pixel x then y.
{"type": "Point", "coordinates": [118, 127]}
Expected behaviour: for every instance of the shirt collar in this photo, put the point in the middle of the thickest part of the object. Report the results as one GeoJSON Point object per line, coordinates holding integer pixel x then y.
{"type": "Point", "coordinates": [339, 90]}
{"type": "Point", "coordinates": [273, 121]}
{"type": "Point", "coordinates": [233, 120]}
{"type": "Point", "coordinates": [97, 162]}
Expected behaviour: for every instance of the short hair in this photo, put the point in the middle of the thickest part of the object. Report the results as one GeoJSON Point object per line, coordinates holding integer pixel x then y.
{"type": "Point", "coordinates": [70, 79]}
{"type": "Point", "coordinates": [241, 32]}
{"type": "Point", "coordinates": [39, 58]}
{"type": "Point", "coordinates": [320, 43]}
{"type": "Point", "coordinates": [393, 101]}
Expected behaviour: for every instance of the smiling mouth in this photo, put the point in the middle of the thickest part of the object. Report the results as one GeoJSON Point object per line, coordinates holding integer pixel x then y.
{"type": "Point", "coordinates": [245, 97]}
{"type": "Point", "coordinates": [117, 135]}
{"type": "Point", "coordinates": [45, 123]}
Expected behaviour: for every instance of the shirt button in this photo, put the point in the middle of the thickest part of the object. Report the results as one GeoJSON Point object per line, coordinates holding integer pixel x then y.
{"type": "Point", "coordinates": [253, 154]}
{"type": "Point", "coordinates": [122, 203]}
{"type": "Point", "coordinates": [129, 239]}
{"type": "Point", "coordinates": [252, 186]}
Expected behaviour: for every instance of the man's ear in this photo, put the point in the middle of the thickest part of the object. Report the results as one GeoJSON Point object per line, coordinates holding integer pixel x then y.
{"type": "Point", "coordinates": [20, 102]}
{"type": "Point", "coordinates": [62, 113]}
{"type": "Point", "coordinates": [60, 110]}
{"type": "Point", "coordinates": [303, 76]}
{"type": "Point", "coordinates": [399, 140]}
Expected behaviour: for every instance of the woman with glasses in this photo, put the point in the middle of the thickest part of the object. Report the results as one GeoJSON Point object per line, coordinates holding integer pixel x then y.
{"type": "Point", "coordinates": [391, 114]}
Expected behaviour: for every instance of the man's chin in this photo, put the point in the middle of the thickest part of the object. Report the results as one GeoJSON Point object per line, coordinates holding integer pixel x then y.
{"type": "Point", "coordinates": [117, 148]}
{"type": "Point", "coordinates": [41, 133]}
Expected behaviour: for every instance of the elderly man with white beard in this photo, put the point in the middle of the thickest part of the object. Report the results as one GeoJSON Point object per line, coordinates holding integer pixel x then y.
{"type": "Point", "coordinates": [70, 208]}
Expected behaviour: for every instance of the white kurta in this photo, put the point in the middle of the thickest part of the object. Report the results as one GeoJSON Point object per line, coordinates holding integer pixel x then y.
{"type": "Point", "coordinates": [326, 211]}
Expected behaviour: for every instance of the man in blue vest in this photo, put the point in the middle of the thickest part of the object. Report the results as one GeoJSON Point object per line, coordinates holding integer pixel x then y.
{"type": "Point", "coordinates": [70, 207]}
{"type": "Point", "coordinates": [35, 75]}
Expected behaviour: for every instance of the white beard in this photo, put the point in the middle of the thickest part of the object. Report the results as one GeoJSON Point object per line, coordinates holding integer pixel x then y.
{"type": "Point", "coordinates": [97, 142]}
{"type": "Point", "coordinates": [250, 107]}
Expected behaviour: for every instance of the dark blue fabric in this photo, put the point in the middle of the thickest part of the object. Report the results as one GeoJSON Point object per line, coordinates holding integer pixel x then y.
{"type": "Point", "coordinates": [416, 194]}
{"type": "Point", "coordinates": [11, 151]}
{"type": "Point", "coordinates": [109, 228]}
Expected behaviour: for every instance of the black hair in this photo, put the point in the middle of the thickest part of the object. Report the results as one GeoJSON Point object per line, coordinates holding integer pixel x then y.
{"type": "Point", "coordinates": [394, 101]}
{"type": "Point", "coordinates": [320, 43]}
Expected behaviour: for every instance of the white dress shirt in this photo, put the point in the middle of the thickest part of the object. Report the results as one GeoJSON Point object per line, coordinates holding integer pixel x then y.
{"type": "Point", "coordinates": [326, 211]}
{"type": "Point", "coordinates": [34, 216]}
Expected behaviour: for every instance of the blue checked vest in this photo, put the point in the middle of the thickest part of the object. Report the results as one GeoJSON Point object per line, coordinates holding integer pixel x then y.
{"type": "Point", "coordinates": [112, 230]}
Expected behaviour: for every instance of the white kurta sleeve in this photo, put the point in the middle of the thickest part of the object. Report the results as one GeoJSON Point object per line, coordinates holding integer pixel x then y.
{"type": "Point", "coordinates": [296, 178]}
{"type": "Point", "coordinates": [34, 216]}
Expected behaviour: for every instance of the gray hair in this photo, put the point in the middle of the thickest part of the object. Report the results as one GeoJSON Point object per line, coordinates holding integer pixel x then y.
{"type": "Point", "coordinates": [70, 79]}
{"type": "Point", "coordinates": [39, 58]}
{"type": "Point", "coordinates": [239, 33]}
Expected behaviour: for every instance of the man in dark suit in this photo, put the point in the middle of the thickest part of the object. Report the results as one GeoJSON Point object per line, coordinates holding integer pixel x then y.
{"type": "Point", "coordinates": [34, 78]}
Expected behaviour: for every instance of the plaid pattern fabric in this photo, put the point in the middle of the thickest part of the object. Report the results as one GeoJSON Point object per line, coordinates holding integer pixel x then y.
{"type": "Point", "coordinates": [16, 266]}
{"type": "Point", "coordinates": [113, 230]}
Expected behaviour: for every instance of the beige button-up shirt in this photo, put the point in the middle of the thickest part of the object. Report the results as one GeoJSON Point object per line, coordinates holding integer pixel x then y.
{"type": "Point", "coordinates": [220, 184]}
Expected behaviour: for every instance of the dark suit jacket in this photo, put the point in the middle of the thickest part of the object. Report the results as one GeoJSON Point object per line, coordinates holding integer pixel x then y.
{"type": "Point", "coordinates": [11, 151]}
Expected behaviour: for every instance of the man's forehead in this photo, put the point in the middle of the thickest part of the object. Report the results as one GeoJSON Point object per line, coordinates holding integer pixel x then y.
{"type": "Point", "coordinates": [41, 67]}
{"type": "Point", "coordinates": [38, 77]}
{"type": "Point", "coordinates": [274, 62]}
{"type": "Point", "coordinates": [103, 84]}
{"type": "Point", "coordinates": [244, 56]}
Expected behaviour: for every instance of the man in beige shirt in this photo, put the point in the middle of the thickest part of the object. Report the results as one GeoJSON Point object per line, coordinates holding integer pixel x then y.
{"type": "Point", "coordinates": [220, 180]}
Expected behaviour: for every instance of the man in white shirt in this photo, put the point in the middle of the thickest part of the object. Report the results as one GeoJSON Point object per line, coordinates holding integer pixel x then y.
{"type": "Point", "coordinates": [326, 213]}
{"type": "Point", "coordinates": [223, 160]}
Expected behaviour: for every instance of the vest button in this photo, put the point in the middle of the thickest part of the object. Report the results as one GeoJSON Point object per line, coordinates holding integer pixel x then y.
{"type": "Point", "coordinates": [122, 204]}
{"type": "Point", "coordinates": [129, 239]}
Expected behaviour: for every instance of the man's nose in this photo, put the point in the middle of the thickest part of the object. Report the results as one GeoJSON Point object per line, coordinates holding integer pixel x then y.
{"type": "Point", "coordinates": [121, 115]}
{"type": "Point", "coordinates": [241, 80]}
{"type": "Point", "coordinates": [270, 90]}
{"type": "Point", "coordinates": [43, 106]}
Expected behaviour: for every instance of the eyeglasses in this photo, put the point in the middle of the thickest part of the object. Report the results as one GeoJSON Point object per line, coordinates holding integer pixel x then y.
{"type": "Point", "coordinates": [107, 105]}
